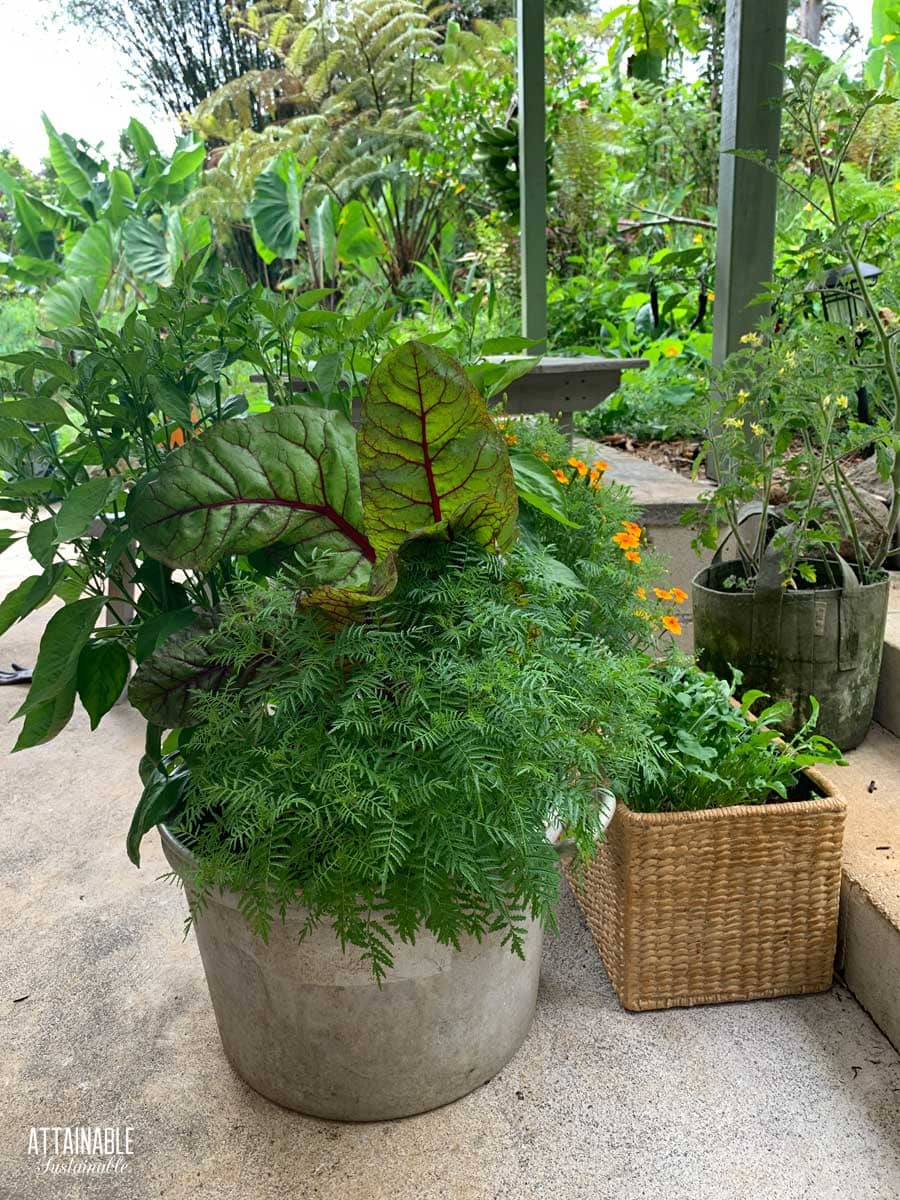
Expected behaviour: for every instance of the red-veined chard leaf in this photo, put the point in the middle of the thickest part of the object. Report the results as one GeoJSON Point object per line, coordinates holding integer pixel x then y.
{"type": "Point", "coordinates": [288, 475]}
{"type": "Point", "coordinates": [161, 687]}
{"type": "Point", "coordinates": [427, 448]}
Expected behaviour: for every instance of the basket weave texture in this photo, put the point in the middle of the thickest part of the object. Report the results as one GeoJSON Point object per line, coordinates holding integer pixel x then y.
{"type": "Point", "coordinates": [731, 903]}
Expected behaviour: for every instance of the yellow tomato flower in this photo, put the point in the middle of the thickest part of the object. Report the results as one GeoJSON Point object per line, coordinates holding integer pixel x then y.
{"type": "Point", "coordinates": [734, 422]}
{"type": "Point", "coordinates": [751, 339]}
{"type": "Point", "coordinates": [757, 428]}
{"type": "Point", "coordinates": [710, 296]}
{"type": "Point", "coordinates": [698, 239]}
{"type": "Point", "coordinates": [887, 38]}
{"type": "Point", "coordinates": [672, 624]}
{"type": "Point", "coordinates": [743, 396]}
{"type": "Point", "coordinates": [679, 596]}
{"type": "Point", "coordinates": [841, 401]}
{"type": "Point", "coordinates": [826, 402]}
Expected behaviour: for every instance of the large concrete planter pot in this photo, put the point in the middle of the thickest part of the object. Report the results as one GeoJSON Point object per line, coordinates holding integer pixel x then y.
{"type": "Point", "coordinates": [307, 1026]}
{"type": "Point", "coordinates": [825, 643]}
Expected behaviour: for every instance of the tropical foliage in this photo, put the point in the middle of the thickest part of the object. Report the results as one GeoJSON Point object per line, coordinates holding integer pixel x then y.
{"type": "Point", "coordinates": [373, 151]}
{"type": "Point", "coordinates": [105, 234]}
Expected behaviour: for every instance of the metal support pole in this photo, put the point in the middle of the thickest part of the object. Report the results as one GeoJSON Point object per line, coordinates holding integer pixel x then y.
{"type": "Point", "coordinates": [755, 34]}
{"type": "Point", "coordinates": [532, 169]}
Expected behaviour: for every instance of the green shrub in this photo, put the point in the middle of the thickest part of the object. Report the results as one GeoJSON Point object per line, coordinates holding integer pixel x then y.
{"type": "Point", "coordinates": [660, 402]}
{"type": "Point", "coordinates": [18, 324]}
{"type": "Point", "coordinates": [700, 750]}
{"type": "Point", "coordinates": [401, 772]}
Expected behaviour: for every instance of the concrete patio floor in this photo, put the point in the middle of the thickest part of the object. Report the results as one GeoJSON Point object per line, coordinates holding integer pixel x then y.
{"type": "Point", "coordinates": [106, 1021]}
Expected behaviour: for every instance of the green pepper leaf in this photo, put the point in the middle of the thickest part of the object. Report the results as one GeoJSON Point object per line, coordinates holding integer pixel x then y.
{"type": "Point", "coordinates": [160, 798]}
{"type": "Point", "coordinates": [66, 633]}
{"type": "Point", "coordinates": [48, 718]}
{"type": "Point", "coordinates": [83, 503]}
{"type": "Point", "coordinates": [30, 594]}
{"type": "Point", "coordinates": [101, 675]}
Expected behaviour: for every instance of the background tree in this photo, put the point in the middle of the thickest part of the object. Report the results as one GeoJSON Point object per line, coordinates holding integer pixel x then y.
{"type": "Point", "coordinates": [180, 51]}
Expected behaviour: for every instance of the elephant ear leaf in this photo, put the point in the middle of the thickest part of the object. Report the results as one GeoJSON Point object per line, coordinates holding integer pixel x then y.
{"type": "Point", "coordinates": [427, 448]}
{"type": "Point", "coordinates": [288, 475]}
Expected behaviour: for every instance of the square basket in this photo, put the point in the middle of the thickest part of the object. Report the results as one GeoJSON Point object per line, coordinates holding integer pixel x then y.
{"type": "Point", "coordinates": [732, 903]}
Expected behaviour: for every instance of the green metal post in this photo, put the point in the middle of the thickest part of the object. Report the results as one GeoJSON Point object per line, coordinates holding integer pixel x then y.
{"type": "Point", "coordinates": [532, 169]}
{"type": "Point", "coordinates": [755, 34]}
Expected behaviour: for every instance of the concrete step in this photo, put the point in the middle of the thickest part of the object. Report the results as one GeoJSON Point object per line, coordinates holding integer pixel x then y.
{"type": "Point", "coordinates": [887, 702]}
{"type": "Point", "coordinates": [869, 938]}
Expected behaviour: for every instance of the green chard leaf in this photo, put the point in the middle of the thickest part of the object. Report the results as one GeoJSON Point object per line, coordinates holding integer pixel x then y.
{"type": "Point", "coordinates": [288, 475]}
{"type": "Point", "coordinates": [428, 448]}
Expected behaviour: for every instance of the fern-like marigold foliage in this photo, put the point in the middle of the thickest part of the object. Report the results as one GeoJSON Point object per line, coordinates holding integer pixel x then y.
{"type": "Point", "coordinates": [400, 772]}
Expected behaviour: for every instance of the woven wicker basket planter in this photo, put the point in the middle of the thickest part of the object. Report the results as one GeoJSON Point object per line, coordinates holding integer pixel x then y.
{"type": "Point", "coordinates": [726, 904]}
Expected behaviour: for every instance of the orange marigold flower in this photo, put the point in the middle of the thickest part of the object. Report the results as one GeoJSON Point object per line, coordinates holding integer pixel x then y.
{"type": "Point", "coordinates": [632, 527]}
{"type": "Point", "coordinates": [561, 476]}
{"type": "Point", "coordinates": [626, 541]}
{"type": "Point", "coordinates": [641, 593]}
{"type": "Point", "coordinates": [543, 454]}
{"type": "Point", "coordinates": [679, 596]}
{"type": "Point", "coordinates": [672, 624]}
{"type": "Point", "coordinates": [601, 466]}
{"type": "Point", "coordinates": [594, 476]}
{"type": "Point", "coordinates": [633, 556]}
{"type": "Point", "coordinates": [511, 439]}
{"type": "Point", "coordinates": [579, 465]}
{"type": "Point", "coordinates": [661, 594]}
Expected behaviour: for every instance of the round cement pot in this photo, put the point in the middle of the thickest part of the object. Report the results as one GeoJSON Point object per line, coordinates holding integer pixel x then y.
{"type": "Point", "coordinates": [822, 642]}
{"type": "Point", "coordinates": [307, 1026]}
